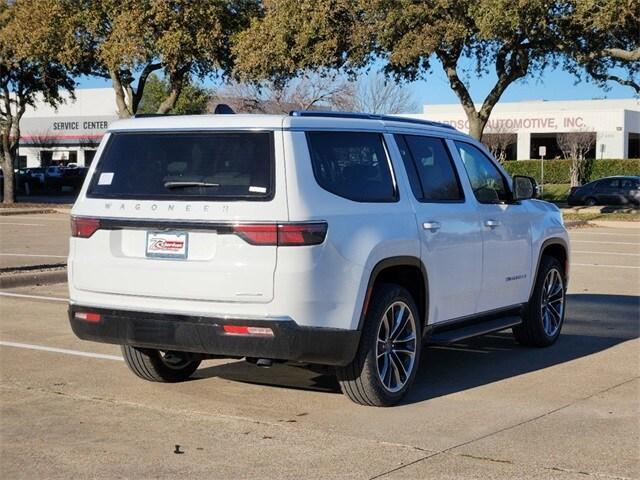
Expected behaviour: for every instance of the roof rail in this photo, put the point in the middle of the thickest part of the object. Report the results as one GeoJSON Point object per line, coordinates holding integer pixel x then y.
{"type": "Point", "coordinates": [367, 116]}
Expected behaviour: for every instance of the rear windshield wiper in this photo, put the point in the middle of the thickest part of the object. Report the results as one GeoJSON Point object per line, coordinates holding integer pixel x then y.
{"type": "Point", "coordinates": [172, 185]}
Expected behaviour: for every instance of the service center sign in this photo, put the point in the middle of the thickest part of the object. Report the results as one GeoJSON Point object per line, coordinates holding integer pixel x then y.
{"type": "Point", "coordinates": [51, 131]}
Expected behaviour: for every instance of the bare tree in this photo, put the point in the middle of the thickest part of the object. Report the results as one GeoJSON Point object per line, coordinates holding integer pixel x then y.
{"type": "Point", "coordinates": [305, 93]}
{"type": "Point", "coordinates": [371, 94]}
{"type": "Point", "coordinates": [377, 94]}
{"type": "Point", "coordinates": [574, 146]}
{"type": "Point", "coordinates": [498, 141]}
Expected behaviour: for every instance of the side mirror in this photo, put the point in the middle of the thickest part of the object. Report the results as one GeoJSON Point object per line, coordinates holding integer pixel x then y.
{"type": "Point", "coordinates": [524, 188]}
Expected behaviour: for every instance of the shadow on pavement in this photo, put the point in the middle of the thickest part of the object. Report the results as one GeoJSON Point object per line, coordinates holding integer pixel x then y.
{"type": "Point", "coordinates": [593, 323]}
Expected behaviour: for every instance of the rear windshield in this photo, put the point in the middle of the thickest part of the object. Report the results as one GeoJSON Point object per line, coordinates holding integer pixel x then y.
{"type": "Point", "coordinates": [178, 165]}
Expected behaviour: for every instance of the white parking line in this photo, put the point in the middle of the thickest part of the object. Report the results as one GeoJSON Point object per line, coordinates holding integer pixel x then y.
{"type": "Point", "coordinates": [31, 255]}
{"type": "Point", "coordinates": [599, 265]}
{"type": "Point", "coordinates": [23, 224]}
{"type": "Point", "coordinates": [605, 243]}
{"type": "Point", "coordinates": [61, 350]}
{"type": "Point", "coordinates": [33, 297]}
{"type": "Point", "coordinates": [607, 253]}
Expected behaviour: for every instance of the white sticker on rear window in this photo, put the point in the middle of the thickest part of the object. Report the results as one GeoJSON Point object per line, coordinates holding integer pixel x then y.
{"type": "Point", "coordinates": [105, 178]}
{"type": "Point", "coordinates": [257, 189]}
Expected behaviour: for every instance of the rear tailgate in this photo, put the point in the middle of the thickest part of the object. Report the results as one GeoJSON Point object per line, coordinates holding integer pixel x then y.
{"type": "Point", "coordinates": [163, 207]}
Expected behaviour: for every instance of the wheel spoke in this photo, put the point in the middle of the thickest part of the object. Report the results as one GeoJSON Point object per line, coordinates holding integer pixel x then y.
{"type": "Point", "coordinates": [396, 359]}
{"type": "Point", "coordinates": [410, 338]}
{"type": "Point", "coordinates": [399, 322]}
{"type": "Point", "coordinates": [385, 367]}
{"type": "Point", "coordinates": [396, 374]}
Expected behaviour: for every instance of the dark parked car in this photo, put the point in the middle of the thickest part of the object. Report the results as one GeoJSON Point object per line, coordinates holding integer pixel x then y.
{"type": "Point", "coordinates": [607, 191]}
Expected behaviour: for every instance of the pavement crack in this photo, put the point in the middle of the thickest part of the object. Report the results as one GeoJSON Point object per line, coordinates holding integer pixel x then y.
{"type": "Point", "coordinates": [511, 427]}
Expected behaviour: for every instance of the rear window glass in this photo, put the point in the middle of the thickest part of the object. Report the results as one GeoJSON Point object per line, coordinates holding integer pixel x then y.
{"type": "Point", "coordinates": [353, 165]}
{"type": "Point", "coordinates": [194, 165]}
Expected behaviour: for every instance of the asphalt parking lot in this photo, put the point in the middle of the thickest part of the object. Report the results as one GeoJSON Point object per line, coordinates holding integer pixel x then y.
{"type": "Point", "coordinates": [483, 409]}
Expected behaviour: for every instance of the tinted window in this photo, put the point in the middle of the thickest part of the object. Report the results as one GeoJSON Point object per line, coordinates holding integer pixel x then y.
{"type": "Point", "coordinates": [174, 165]}
{"type": "Point", "coordinates": [608, 183]}
{"type": "Point", "coordinates": [353, 165]}
{"type": "Point", "coordinates": [629, 183]}
{"type": "Point", "coordinates": [489, 186]}
{"type": "Point", "coordinates": [438, 180]}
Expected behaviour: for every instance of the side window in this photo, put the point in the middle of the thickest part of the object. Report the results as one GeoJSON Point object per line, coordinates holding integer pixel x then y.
{"type": "Point", "coordinates": [353, 165]}
{"type": "Point", "coordinates": [409, 166]}
{"type": "Point", "coordinates": [608, 184]}
{"type": "Point", "coordinates": [629, 184]}
{"type": "Point", "coordinates": [429, 157]}
{"type": "Point", "coordinates": [489, 186]}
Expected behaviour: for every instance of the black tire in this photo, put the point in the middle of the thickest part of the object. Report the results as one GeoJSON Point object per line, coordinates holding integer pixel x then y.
{"type": "Point", "coordinates": [532, 332]}
{"type": "Point", "coordinates": [155, 366]}
{"type": "Point", "coordinates": [590, 202]}
{"type": "Point", "coordinates": [360, 380]}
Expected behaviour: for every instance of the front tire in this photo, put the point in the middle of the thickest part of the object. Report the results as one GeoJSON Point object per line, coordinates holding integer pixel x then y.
{"type": "Point", "coordinates": [156, 366]}
{"type": "Point", "coordinates": [543, 316]}
{"type": "Point", "coordinates": [389, 353]}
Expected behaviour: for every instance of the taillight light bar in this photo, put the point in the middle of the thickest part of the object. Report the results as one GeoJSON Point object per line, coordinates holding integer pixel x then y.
{"type": "Point", "coordinates": [282, 235]}
{"type": "Point", "coordinates": [84, 227]}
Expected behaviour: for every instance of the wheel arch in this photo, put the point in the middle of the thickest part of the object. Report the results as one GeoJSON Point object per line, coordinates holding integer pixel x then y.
{"type": "Point", "coordinates": [555, 247]}
{"type": "Point", "coordinates": [406, 271]}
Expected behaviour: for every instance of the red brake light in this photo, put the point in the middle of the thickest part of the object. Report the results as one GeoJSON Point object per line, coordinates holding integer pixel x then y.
{"type": "Point", "coordinates": [84, 227]}
{"type": "Point", "coordinates": [284, 235]}
{"type": "Point", "coordinates": [257, 234]}
{"type": "Point", "coordinates": [301, 234]}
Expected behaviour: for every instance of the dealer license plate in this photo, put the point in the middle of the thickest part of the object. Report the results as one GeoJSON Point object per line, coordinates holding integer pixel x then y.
{"type": "Point", "coordinates": [174, 245]}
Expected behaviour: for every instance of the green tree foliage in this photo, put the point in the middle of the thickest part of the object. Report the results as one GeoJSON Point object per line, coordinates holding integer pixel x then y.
{"type": "Point", "coordinates": [602, 38]}
{"type": "Point", "coordinates": [29, 70]}
{"type": "Point", "coordinates": [511, 39]}
{"type": "Point", "coordinates": [128, 41]}
{"type": "Point", "coordinates": [193, 98]}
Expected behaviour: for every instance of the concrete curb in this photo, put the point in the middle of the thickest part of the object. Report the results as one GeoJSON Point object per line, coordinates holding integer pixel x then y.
{"type": "Point", "coordinates": [25, 279]}
{"type": "Point", "coordinates": [616, 223]}
{"type": "Point", "coordinates": [25, 211]}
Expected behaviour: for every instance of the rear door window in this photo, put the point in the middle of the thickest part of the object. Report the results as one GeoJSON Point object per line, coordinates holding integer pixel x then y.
{"type": "Point", "coordinates": [429, 157]}
{"type": "Point", "coordinates": [186, 165]}
{"type": "Point", "coordinates": [353, 165]}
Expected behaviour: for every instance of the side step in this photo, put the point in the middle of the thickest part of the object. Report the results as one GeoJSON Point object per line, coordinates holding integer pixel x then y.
{"type": "Point", "coordinates": [456, 333]}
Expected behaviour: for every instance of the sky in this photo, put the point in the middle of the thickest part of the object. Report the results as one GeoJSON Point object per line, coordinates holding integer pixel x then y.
{"type": "Point", "coordinates": [553, 84]}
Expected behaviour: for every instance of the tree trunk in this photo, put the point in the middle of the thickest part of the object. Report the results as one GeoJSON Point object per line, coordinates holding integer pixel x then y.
{"type": "Point", "coordinates": [476, 125]}
{"type": "Point", "coordinates": [7, 170]}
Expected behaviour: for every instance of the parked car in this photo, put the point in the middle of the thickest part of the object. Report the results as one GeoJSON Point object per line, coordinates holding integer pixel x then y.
{"type": "Point", "coordinates": [607, 191]}
{"type": "Point", "coordinates": [344, 240]}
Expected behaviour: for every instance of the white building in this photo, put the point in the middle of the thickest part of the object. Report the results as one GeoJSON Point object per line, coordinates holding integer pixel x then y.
{"type": "Point", "coordinates": [69, 134]}
{"type": "Point", "coordinates": [614, 123]}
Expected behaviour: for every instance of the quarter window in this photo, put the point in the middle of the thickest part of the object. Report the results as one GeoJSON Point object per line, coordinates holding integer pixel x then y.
{"type": "Point", "coordinates": [353, 165]}
{"type": "Point", "coordinates": [429, 158]}
{"type": "Point", "coordinates": [488, 184]}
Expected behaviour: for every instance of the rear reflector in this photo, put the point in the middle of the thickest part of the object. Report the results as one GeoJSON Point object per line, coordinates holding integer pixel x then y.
{"type": "Point", "coordinates": [283, 235]}
{"type": "Point", "coordinates": [241, 330]}
{"type": "Point", "coordinates": [84, 227]}
{"type": "Point", "coordinates": [88, 316]}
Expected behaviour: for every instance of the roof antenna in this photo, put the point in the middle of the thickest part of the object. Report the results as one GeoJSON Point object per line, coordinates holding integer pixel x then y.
{"type": "Point", "coordinates": [223, 109]}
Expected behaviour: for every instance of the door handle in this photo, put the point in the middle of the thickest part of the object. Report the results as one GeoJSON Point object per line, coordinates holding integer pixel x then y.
{"type": "Point", "coordinates": [492, 223]}
{"type": "Point", "coordinates": [431, 226]}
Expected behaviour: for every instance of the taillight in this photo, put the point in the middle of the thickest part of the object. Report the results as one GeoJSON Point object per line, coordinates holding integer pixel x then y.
{"type": "Point", "coordinates": [242, 330]}
{"type": "Point", "coordinates": [84, 227]}
{"type": "Point", "coordinates": [283, 235]}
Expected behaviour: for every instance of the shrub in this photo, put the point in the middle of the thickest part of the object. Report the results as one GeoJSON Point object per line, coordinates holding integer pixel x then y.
{"type": "Point", "coordinates": [559, 171]}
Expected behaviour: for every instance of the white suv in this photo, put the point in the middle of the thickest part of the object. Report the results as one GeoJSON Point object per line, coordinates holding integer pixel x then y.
{"type": "Point", "coordinates": [346, 240]}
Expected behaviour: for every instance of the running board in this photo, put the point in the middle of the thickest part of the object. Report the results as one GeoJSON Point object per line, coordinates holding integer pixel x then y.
{"type": "Point", "coordinates": [453, 334]}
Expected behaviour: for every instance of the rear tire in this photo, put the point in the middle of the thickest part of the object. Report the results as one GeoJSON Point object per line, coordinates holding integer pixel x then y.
{"type": "Point", "coordinates": [543, 316]}
{"type": "Point", "coordinates": [156, 366]}
{"type": "Point", "coordinates": [590, 202]}
{"type": "Point", "coordinates": [387, 360]}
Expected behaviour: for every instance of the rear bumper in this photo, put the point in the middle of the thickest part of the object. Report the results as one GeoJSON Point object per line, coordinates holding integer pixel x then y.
{"type": "Point", "coordinates": [206, 335]}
